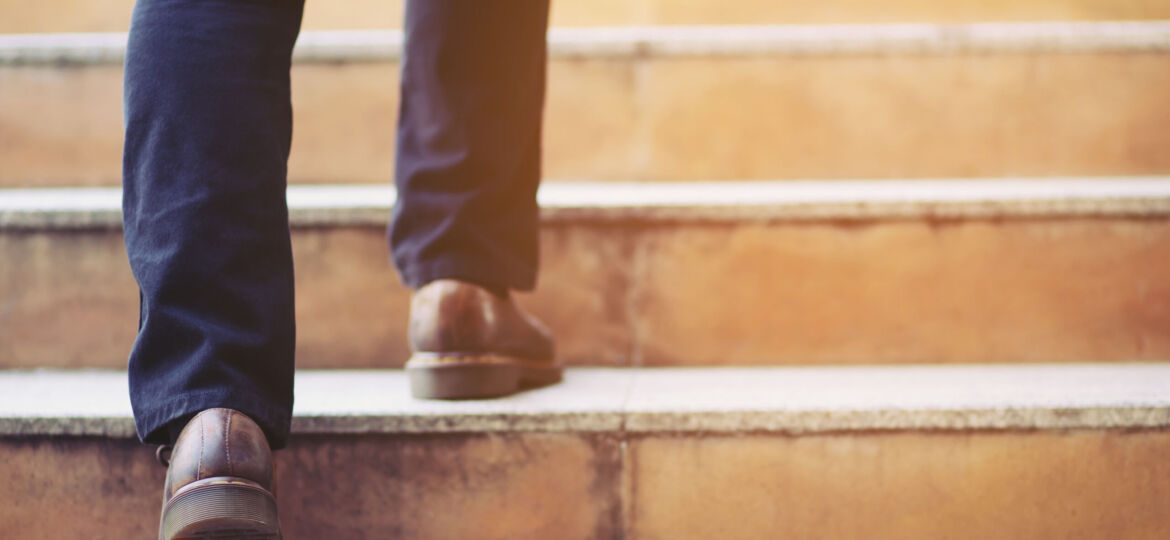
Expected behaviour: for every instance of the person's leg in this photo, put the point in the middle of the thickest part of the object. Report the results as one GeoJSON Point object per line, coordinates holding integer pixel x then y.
{"type": "Point", "coordinates": [464, 231]}
{"type": "Point", "coordinates": [208, 129]}
{"type": "Point", "coordinates": [469, 138]}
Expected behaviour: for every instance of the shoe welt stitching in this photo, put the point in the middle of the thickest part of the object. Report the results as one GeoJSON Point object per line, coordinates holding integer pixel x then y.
{"type": "Point", "coordinates": [227, 442]}
{"type": "Point", "coordinates": [467, 359]}
{"type": "Point", "coordinates": [419, 360]}
{"type": "Point", "coordinates": [199, 467]}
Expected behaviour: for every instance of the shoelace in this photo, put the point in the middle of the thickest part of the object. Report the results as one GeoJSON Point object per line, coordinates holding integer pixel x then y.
{"type": "Point", "coordinates": [165, 461]}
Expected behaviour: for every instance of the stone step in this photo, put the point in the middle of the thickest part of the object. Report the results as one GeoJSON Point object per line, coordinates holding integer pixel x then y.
{"type": "Point", "coordinates": [114, 15]}
{"type": "Point", "coordinates": [683, 103]}
{"type": "Point", "coordinates": [1026, 451]}
{"type": "Point", "coordinates": [661, 274]}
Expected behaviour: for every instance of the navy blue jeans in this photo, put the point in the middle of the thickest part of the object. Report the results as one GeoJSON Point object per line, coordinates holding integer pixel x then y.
{"type": "Point", "coordinates": [208, 129]}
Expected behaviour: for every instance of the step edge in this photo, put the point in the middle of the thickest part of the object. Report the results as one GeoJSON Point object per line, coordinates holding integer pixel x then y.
{"type": "Point", "coordinates": [1126, 402]}
{"type": "Point", "coordinates": [698, 202]}
{"type": "Point", "coordinates": [645, 423]}
{"type": "Point", "coordinates": [330, 46]}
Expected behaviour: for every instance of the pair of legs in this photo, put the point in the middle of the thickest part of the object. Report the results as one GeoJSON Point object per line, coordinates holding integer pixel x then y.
{"type": "Point", "coordinates": [208, 130]}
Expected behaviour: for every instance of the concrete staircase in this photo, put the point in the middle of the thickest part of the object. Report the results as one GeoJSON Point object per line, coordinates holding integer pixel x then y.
{"type": "Point", "coordinates": [845, 272]}
{"type": "Point", "coordinates": [1018, 451]}
{"type": "Point", "coordinates": [913, 100]}
{"type": "Point", "coordinates": [859, 270]}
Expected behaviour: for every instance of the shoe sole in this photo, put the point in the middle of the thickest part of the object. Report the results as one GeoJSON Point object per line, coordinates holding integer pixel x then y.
{"type": "Point", "coordinates": [475, 376]}
{"type": "Point", "coordinates": [220, 508]}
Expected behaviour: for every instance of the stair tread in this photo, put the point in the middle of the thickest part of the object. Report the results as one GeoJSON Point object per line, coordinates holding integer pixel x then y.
{"type": "Point", "coordinates": [820, 199]}
{"type": "Point", "coordinates": [682, 40]}
{"type": "Point", "coordinates": [658, 400]}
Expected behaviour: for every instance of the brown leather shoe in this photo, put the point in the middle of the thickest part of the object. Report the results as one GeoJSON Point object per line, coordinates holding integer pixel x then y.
{"type": "Point", "coordinates": [219, 481]}
{"type": "Point", "coordinates": [470, 343]}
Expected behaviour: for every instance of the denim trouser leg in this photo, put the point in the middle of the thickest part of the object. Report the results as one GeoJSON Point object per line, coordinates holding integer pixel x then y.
{"type": "Point", "coordinates": [469, 142]}
{"type": "Point", "coordinates": [208, 129]}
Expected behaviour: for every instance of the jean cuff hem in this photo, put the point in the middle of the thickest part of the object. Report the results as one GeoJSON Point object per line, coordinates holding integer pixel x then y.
{"type": "Point", "coordinates": [518, 277]}
{"type": "Point", "coordinates": [152, 424]}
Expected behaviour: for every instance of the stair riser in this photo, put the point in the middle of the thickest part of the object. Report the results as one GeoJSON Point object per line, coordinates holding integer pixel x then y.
{"type": "Point", "coordinates": [1013, 291]}
{"type": "Point", "coordinates": [912, 485]}
{"type": "Point", "coordinates": [911, 291]}
{"type": "Point", "coordinates": [1087, 484]}
{"type": "Point", "coordinates": [678, 118]}
{"type": "Point", "coordinates": [351, 308]}
{"type": "Point", "coordinates": [114, 15]}
{"type": "Point", "coordinates": [473, 486]}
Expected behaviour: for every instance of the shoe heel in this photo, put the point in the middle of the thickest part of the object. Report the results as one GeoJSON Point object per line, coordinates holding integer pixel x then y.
{"type": "Point", "coordinates": [536, 377]}
{"type": "Point", "coordinates": [439, 378]}
{"type": "Point", "coordinates": [221, 507]}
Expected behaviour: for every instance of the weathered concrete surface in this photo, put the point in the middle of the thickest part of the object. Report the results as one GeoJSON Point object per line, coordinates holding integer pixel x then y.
{"type": "Point", "coordinates": [68, 299]}
{"type": "Point", "coordinates": [672, 203]}
{"type": "Point", "coordinates": [1087, 484]}
{"type": "Point", "coordinates": [905, 292]}
{"type": "Point", "coordinates": [904, 116]}
{"type": "Point", "coordinates": [469, 486]}
{"type": "Point", "coordinates": [617, 401]}
{"type": "Point", "coordinates": [367, 462]}
{"type": "Point", "coordinates": [79, 488]}
{"type": "Point", "coordinates": [1064, 289]}
{"type": "Point", "coordinates": [114, 15]}
{"type": "Point", "coordinates": [1022, 485]}
{"type": "Point", "coordinates": [686, 118]}
{"type": "Point", "coordinates": [923, 397]}
{"type": "Point", "coordinates": [488, 486]}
